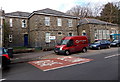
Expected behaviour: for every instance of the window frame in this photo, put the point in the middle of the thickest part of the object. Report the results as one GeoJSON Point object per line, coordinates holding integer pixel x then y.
{"type": "Point", "coordinates": [24, 24]}
{"type": "Point", "coordinates": [59, 22]}
{"type": "Point", "coordinates": [47, 21]}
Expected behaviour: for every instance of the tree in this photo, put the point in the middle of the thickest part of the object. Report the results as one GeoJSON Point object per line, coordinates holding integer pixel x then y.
{"type": "Point", "coordinates": [109, 13]}
{"type": "Point", "coordinates": [80, 11]}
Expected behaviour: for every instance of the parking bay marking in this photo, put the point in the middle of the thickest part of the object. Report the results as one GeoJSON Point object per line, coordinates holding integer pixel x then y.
{"type": "Point", "coordinates": [60, 62]}
{"type": "Point", "coordinates": [111, 56]}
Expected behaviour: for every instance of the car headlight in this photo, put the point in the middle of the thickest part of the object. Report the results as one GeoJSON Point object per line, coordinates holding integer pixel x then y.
{"type": "Point", "coordinates": [94, 45]}
{"type": "Point", "coordinates": [61, 48]}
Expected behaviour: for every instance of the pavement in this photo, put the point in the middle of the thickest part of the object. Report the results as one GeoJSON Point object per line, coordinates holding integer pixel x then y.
{"type": "Point", "coordinates": [31, 56]}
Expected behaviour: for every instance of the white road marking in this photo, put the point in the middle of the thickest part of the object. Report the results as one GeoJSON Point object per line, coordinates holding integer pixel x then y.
{"type": "Point", "coordinates": [2, 80]}
{"type": "Point", "coordinates": [65, 66]}
{"type": "Point", "coordinates": [111, 56]}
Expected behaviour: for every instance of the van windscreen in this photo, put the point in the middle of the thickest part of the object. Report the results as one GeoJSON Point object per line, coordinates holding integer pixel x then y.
{"type": "Point", "coordinates": [64, 42]}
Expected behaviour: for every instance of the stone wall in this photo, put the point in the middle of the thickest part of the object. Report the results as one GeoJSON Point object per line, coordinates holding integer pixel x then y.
{"type": "Point", "coordinates": [90, 30]}
{"type": "Point", "coordinates": [38, 29]}
{"type": "Point", "coordinates": [16, 31]}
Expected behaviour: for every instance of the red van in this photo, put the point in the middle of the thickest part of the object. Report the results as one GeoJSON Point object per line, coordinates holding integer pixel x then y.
{"type": "Point", "coordinates": [72, 44]}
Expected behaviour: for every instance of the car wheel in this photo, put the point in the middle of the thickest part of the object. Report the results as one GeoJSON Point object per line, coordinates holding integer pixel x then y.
{"type": "Point", "coordinates": [84, 50]}
{"type": "Point", "coordinates": [67, 52]}
{"type": "Point", "coordinates": [109, 46]}
{"type": "Point", "coordinates": [99, 48]}
{"type": "Point", "coordinates": [117, 45]}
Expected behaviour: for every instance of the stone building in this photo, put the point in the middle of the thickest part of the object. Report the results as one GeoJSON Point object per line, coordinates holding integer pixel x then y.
{"type": "Point", "coordinates": [35, 29]}
{"type": "Point", "coordinates": [47, 23]}
{"type": "Point", "coordinates": [95, 29]}
{"type": "Point", "coordinates": [48, 27]}
{"type": "Point", "coordinates": [18, 26]}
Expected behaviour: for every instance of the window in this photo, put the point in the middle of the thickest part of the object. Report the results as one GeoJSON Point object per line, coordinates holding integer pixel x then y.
{"type": "Point", "coordinates": [108, 34]}
{"type": "Point", "coordinates": [24, 23]}
{"type": "Point", "coordinates": [70, 34]}
{"type": "Point", "coordinates": [47, 21]}
{"type": "Point", "coordinates": [10, 38]}
{"type": "Point", "coordinates": [69, 22]}
{"type": "Point", "coordinates": [59, 22]}
{"type": "Point", "coordinates": [104, 34]}
{"type": "Point", "coordinates": [59, 33]}
{"type": "Point", "coordinates": [47, 40]}
{"type": "Point", "coordinates": [96, 34]}
{"type": "Point", "coordinates": [11, 23]}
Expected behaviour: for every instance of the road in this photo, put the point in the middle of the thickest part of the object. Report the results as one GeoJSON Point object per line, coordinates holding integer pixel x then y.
{"type": "Point", "coordinates": [104, 66]}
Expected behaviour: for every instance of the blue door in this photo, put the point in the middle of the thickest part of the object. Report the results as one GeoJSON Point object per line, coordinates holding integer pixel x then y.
{"type": "Point", "coordinates": [26, 40]}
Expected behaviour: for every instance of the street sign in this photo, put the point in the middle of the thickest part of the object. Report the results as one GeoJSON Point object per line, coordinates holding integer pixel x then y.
{"type": "Point", "coordinates": [60, 62]}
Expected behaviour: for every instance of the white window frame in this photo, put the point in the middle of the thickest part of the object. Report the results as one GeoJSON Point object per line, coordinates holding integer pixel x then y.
{"type": "Point", "coordinates": [70, 23]}
{"type": "Point", "coordinates": [47, 35]}
{"type": "Point", "coordinates": [59, 22]}
{"type": "Point", "coordinates": [11, 22]}
{"type": "Point", "coordinates": [47, 21]}
{"type": "Point", "coordinates": [24, 23]}
{"type": "Point", "coordinates": [10, 38]}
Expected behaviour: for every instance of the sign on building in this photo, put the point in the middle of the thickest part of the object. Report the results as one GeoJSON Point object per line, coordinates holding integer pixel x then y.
{"type": "Point", "coordinates": [52, 37]}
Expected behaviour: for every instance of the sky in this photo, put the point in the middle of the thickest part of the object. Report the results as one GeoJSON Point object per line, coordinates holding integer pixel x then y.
{"type": "Point", "coordinates": [33, 5]}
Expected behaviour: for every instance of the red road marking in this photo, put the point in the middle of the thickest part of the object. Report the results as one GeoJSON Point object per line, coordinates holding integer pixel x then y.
{"type": "Point", "coordinates": [55, 63]}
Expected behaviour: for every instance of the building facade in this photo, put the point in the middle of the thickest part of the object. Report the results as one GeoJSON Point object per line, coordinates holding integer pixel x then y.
{"type": "Point", "coordinates": [35, 29]}
{"type": "Point", "coordinates": [48, 27]}
{"type": "Point", "coordinates": [17, 22]}
{"type": "Point", "coordinates": [47, 23]}
{"type": "Point", "coordinates": [96, 30]}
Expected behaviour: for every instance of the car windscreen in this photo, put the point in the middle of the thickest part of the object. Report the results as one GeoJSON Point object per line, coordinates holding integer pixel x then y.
{"type": "Point", "coordinates": [115, 41]}
{"type": "Point", "coordinates": [64, 42]}
{"type": "Point", "coordinates": [97, 42]}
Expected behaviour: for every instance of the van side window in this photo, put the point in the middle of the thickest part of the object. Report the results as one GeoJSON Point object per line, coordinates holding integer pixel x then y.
{"type": "Point", "coordinates": [71, 43]}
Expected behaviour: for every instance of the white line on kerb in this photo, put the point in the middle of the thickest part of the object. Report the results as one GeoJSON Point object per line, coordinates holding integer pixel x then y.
{"type": "Point", "coordinates": [2, 80]}
{"type": "Point", "coordinates": [111, 56]}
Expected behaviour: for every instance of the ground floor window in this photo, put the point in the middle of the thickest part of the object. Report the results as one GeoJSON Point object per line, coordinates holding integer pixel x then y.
{"type": "Point", "coordinates": [101, 34]}
{"type": "Point", "coordinates": [70, 34]}
{"type": "Point", "coordinates": [47, 35]}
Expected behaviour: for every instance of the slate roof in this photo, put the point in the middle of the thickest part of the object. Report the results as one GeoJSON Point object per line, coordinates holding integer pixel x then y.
{"type": "Point", "coordinates": [94, 21]}
{"type": "Point", "coordinates": [18, 14]}
{"type": "Point", "coordinates": [49, 11]}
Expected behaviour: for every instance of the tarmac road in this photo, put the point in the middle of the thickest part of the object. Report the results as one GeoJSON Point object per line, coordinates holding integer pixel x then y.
{"type": "Point", "coordinates": [103, 67]}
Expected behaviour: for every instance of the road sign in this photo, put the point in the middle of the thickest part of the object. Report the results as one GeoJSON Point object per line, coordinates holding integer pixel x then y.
{"type": "Point", "coordinates": [55, 63]}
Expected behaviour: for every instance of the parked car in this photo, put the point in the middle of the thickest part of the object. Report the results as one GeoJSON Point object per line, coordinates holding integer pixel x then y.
{"type": "Point", "coordinates": [99, 44]}
{"type": "Point", "coordinates": [72, 44]}
{"type": "Point", "coordinates": [4, 57]}
{"type": "Point", "coordinates": [115, 43]}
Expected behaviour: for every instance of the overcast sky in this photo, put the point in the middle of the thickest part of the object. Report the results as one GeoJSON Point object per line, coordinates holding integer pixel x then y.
{"type": "Point", "coordinates": [33, 5]}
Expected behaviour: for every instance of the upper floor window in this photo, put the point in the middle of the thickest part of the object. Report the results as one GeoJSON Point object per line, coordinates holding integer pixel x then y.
{"type": "Point", "coordinates": [10, 38]}
{"type": "Point", "coordinates": [59, 22]}
{"type": "Point", "coordinates": [47, 21]}
{"type": "Point", "coordinates": [11, 23]}
{"type": "Point", "coordinates": [24, 23]}
{"type": "Point", "coordinates": [69, 22]}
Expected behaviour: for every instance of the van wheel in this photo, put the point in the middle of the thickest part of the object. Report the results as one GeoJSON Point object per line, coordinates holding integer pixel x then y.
{"type": "Point", "coordinates": [84, 50]}
{"type": "Point", "coordinates": [67, 52]}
